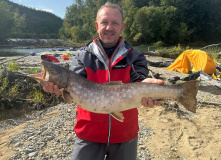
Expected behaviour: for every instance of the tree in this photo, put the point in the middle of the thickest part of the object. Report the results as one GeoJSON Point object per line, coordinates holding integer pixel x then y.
{"type": "Point", "coordinates": [147, 24]}
{"type": "Point", "coordinates": [128, 32]}
{"type": "Point", "coordinates": [149, 21]}
{"type": "Point", "coordinates": [19, 24]}
{"type": "Point", "coordinates": [6, 20]}
{"type": "Point", "coordinates": [176, 28]}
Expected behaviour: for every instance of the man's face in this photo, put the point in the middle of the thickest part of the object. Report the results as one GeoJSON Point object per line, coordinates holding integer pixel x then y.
{"type": "Point", "coordinates": [109, 26]}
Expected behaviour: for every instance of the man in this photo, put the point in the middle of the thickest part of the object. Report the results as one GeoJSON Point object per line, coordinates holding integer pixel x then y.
{"type": "Point", "coordinates": [108, 58]}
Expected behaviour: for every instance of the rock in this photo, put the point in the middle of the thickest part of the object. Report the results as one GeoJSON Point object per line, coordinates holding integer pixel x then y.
{"type": "Point", "coordinates": [51, 129]}
{"type": "Point", "coordinates": [28, 150]}
{"type": "Point", "coordinates": [33, 154]}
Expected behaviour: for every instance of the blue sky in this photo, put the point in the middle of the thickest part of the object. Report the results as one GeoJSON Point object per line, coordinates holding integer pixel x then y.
{"type": "Point", "coordinates": [56, 7]}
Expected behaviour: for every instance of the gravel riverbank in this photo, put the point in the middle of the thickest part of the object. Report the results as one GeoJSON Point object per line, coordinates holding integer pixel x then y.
{"type": "Point", "coordinates": [165, 132]}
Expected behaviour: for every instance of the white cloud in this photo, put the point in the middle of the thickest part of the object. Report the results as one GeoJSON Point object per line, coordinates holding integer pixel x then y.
{"type": "Point", "coordinates": [47, 10]}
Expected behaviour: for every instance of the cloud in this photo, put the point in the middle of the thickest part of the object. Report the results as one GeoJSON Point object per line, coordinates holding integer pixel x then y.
{"type": "Point", "coordinates": [45, 9]}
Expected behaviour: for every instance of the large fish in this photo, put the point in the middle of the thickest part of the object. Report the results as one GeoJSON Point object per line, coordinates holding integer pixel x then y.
{"type": "Point", "coordinates": [113, 97]}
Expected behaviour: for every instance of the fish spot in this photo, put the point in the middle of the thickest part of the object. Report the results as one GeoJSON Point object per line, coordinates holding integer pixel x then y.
{"type": "Point", "coordinates": [93, 101]}
{"type": "Point", "coordinates": [124, 95]}
{"type": "Point", "coordinates": [112, 98]}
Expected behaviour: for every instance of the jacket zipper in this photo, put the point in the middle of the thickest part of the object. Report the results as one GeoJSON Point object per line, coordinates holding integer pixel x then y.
{"type": "Point", "coordinates": [108, 68]}
{"type": "Point", "coordinates": [109, 116]}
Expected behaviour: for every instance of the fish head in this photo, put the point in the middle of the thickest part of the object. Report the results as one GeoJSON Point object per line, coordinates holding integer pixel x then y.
{"type": "Point", "coordinates": [52, 73]}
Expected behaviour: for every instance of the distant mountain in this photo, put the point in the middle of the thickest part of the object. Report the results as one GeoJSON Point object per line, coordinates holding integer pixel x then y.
{"type": "Point", "coordinates": [38, 24]}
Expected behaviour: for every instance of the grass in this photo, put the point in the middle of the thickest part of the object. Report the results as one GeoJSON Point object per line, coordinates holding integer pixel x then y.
{"type": "Point", "coordinates": [13, 89]}
{"type": "Point", "coordinates": [32, 70]}
{"type": "Point", "coordinates": [147, 48]}
{"type": "Point", "coordinates": [213, 53]}
{"type": "Point", "coordinates": [175, 51]}
{"type": "Point", "coordinates": [13, 66]}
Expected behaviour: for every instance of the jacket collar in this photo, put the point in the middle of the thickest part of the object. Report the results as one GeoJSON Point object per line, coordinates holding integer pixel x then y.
{"type": "Point", "coordinates": [96, 48]}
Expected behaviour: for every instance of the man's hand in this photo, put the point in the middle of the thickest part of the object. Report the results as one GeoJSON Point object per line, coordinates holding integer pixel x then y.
{"type": "Point", "coordinates": [51, 88]}
{"type": "Point", "coordinates": [149, 101]}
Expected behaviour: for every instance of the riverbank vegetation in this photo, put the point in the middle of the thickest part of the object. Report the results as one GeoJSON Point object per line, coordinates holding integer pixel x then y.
{"type": "Point", "coordinates": [170, 22]}
{"type": "Point", "coordinates": [21, 94]}
{"type": "Point", "coordinates": [166, 22]}
{"type": "Point", "coordinates": [214, 51]}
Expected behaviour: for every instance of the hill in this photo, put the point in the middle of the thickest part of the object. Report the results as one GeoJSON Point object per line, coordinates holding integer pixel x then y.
{"type": "Point", "coordinates": [34, 23]}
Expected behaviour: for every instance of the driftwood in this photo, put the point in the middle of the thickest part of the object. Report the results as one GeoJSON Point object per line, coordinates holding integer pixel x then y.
{"type": "Point", "coordinates": [15, 59]}
{"type": "Point", "coordinates": [154, 75]}
{"type": "Point", "coordinates": [150, 53]}
{"type": "Point", "coordinates": [210, 103]}
{"type": "Point", "coordinates": [151, 73]}
{"type": "Point", "coordinates": [212, 45]}
{"type": "Point", "coordinates": [2, 58]}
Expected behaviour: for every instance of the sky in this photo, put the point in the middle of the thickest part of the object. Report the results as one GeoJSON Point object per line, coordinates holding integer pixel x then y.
{"type": "Point", "coordinates": [56, 7]}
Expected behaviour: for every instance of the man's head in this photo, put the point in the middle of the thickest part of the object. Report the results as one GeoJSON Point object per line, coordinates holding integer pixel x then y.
{"type": "Point", "coordinates": [109, 24]}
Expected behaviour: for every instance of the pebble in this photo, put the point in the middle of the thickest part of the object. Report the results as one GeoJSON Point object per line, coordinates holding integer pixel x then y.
{"type": "Point", "coordinates": [54, 137]}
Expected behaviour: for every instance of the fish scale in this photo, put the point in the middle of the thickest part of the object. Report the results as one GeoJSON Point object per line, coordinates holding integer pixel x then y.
{"type": "Point", "coordinates": [114, 97]}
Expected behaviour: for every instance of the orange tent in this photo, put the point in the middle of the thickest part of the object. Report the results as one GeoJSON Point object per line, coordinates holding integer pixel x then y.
{"type": "Point", "coordinates": [193, 60]}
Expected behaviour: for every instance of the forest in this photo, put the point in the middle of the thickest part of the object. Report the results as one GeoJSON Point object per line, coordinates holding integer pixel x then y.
{"type": "Point", "coordinates": [150, 21]}
{"type": "Point", "coordinates": [165, 22]}
{"type": "Point", "coordinates": [17, 21]}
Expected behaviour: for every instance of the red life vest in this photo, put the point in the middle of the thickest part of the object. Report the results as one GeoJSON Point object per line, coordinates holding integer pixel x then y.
{"type": "Point", "coordinates": [51, 58]}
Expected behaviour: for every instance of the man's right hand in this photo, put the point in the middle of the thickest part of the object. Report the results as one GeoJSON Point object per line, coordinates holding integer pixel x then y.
{"type": "Point", "coordinates": [51, 88]}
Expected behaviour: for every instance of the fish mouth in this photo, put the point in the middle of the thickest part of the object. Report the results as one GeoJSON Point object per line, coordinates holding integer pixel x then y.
{"type": "Point", "coordinates": [40, 77]}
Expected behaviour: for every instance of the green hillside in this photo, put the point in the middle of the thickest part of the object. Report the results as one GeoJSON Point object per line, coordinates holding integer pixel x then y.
{"type": "Point", "coordinates": [31, 23]}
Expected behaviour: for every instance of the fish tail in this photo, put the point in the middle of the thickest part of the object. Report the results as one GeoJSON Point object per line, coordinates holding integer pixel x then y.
{"type": "Point", "coordinates": [188, 96]}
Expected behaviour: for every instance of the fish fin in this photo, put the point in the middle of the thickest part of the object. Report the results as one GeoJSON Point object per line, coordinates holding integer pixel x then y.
{"type": "Point", "coordinates": [118, 116]}
{"type": "Point", "coordinates": [67, 96]}
{"type": "Point", "coordinates": [188, 97]}
{"type": "Point", "coordinates": [114, 82]}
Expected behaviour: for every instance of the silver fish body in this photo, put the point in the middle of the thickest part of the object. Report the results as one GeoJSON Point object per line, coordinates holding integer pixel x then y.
{"type": "Point", "coordinates": [114, 97]}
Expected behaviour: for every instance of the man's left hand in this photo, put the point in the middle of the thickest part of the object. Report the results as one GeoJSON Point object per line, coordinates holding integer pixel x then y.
{"type": "Point", "coordinates": [149, 102]}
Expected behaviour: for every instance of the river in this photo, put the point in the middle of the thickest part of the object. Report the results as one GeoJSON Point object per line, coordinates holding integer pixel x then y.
{"type": "Point", "coordinates": [19, 47]}
{"type": "Point", "coordinates": [8, 52]}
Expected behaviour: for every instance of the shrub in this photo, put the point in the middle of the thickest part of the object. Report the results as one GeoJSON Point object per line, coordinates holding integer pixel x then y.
{"type": "Point", "coordinates": [13, 66]}
{"type": "Point", "coordinates": [32, 70]}
{"type": "Point", "coordinates": [173, 52]}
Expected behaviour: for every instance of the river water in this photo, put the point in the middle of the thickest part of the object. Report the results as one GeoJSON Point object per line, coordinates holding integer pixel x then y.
{"type": "Point", "coordinates": [26, 46]}
{"type": "Point", "coordinates": [19, 51]}
{"type": "Point", "coordinates": [8, 52]}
